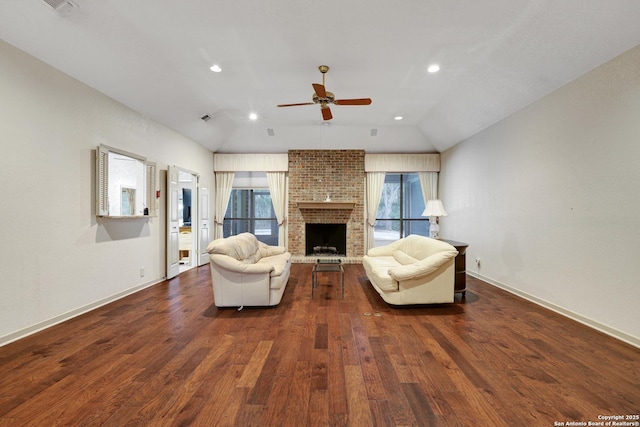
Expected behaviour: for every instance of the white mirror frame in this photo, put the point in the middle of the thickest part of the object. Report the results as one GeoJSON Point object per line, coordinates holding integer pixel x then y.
{"type": "Point", "coordinates": [149, 181]}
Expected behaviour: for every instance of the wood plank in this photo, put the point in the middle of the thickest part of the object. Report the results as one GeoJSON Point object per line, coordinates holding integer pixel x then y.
{"type": "Point", "coordinates": [336, 381]}
{"type": "Point", "coordinates": [399, 408]}
{"type": "Point", "coordinates": [296, 411]}
{"type": "Point", "coordinates": [419, 404]}
{"type": "Point", "coordinates": [254, 367]}
{"type": "Point", "coordinates": [373, 382]}
{"type": "Point", "coordinates": [347, 341]}
{"type": "Point", "coordinates": [359, 413]}
{"type": "Point", "coordinates": [318, 409]}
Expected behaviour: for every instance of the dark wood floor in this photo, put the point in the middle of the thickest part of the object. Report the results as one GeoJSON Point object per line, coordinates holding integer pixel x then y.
{"type": "Point", "coordinates": [168, 356]}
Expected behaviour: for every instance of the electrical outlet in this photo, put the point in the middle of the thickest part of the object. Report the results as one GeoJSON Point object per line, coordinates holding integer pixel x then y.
{"type": "Point", "coordinates": [142, 272]}
{"type": "Point", "coordinates": [478, 262]}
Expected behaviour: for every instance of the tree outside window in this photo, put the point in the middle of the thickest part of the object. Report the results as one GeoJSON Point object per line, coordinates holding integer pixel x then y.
{"type": "Point", "coordinates": [400, 209]}
{"type": "Point", "coordinates": [251, 210]}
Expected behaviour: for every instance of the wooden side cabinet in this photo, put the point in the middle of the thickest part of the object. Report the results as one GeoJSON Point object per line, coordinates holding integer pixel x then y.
{"type": "Point", "coordinates": [461, 266]}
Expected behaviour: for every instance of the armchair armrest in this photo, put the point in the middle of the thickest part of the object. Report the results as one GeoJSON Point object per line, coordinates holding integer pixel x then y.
{"type": "Point", "coordinates": [421, 268]}
{"type": "Point", "coordinates": [386, 250]}
{"type": "Point", "coordinates": [267, 250]}
{"type": "Point", "coordinates": [232, 264]}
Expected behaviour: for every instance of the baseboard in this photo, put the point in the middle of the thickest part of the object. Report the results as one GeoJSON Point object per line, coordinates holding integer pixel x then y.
{"type": "Point", "coordinates": [22, 333]}
{"type": "Point", "coordinates": [615, 333]}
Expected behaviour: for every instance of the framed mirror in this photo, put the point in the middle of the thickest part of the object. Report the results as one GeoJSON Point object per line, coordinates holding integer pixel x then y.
{"type": "Point", "coordinates": [125, 184]}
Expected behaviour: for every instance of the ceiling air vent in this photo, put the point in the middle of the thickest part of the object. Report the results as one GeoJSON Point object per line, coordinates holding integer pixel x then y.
{"type": "Point", "coordinates": [62, 7]}
{"type": "Point", "coordinates": [271, 132]}
{"type": "Point", "coordinates": [374, 132]}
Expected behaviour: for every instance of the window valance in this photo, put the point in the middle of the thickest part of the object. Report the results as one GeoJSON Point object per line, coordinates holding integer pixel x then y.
{"type": "Point", "coordinates": [402, 162]}
{"type": "Point", "coordinates": [250, 162]}
{"type": "Point", "coordinates": [387, 162]}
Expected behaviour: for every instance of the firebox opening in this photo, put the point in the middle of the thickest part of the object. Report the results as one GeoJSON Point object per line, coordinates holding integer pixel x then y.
{"type": "Point", "coordinates": [326, 239]}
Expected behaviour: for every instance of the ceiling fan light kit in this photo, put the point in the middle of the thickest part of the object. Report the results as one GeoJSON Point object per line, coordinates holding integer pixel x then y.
{"type": "Point", "coordinates": [324, 98]}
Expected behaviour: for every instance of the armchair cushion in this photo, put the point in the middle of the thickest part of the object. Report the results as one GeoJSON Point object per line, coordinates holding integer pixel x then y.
{"type": "Point", "coordinates": [241, 247]}
{"type": "Point", "coordinates": [421, 268]}
{"type": "Point", "coordinates": [403, 258]}
{"type": "Point", "coordinates": [233, 264]}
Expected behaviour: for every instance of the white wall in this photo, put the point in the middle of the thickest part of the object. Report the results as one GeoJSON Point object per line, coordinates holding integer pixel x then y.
{"type": "Point", "coordinates": [56, 260]}
{"type": "Point", "coordinates": [549, 199]}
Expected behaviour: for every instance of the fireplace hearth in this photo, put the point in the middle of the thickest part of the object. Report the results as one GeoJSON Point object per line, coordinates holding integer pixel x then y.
{"type": "Point", "coordinates": [326, 239]}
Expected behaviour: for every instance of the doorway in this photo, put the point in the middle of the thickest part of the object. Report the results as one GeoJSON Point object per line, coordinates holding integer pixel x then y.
{"type": "Point", "coordinates": [187, 221]}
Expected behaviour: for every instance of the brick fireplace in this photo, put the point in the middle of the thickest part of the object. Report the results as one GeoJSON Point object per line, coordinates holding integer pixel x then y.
{"type": "Point", "coordinates": [314, 174]}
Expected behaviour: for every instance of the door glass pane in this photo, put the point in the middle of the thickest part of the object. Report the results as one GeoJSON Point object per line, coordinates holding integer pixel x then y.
{"type": "Point", "coordinates": [389, 206]}
{"type": "Point", "coordinates": [400, 209]}
{"type": "Point", "coordinates": [420, 227]}
{"type": "Point", "coordinates": [413, 200]}
{"type": "Point", "coordinates": [251, 211]}
{"type": "Point", "coordinates": [263, 207]}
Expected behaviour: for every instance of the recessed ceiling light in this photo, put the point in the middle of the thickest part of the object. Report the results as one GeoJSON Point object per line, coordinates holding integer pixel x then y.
{"type": "Point", "coordinates": [215, 68]}
{"type": "Point", "coordinates": [253, 116]}
{"type": "Point", "coordinates": [398, 118]}
{"type": "Point", "coordinates": [434, 68]}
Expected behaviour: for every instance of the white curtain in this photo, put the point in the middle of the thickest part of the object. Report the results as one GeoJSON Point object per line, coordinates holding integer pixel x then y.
{"type": "Point", "coordinates": [278, 189]}
{"type": "Point", "coordinates": [375, 182]}
{"type": "Point", "coordinates": [429, 185]}
{"type": "Point", "coordinates": [224, 185]}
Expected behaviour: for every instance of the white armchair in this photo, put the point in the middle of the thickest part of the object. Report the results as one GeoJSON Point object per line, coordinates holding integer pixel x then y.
{"type": "Point", "coordinates": [247, 272]}
{"type": "Point", "coordinates": [412, 270]}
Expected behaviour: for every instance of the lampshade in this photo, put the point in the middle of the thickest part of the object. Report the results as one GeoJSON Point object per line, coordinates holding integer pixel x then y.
{"type": "Point", "coordinates": [434, 208]}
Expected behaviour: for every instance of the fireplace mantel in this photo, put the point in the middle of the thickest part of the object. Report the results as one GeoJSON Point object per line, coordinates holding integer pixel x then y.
{"type": "Point", "coordinates": [326, 205]}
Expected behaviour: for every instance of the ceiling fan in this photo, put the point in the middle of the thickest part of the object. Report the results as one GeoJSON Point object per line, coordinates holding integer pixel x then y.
{"type": "Point", "coordinates": [324, 98]}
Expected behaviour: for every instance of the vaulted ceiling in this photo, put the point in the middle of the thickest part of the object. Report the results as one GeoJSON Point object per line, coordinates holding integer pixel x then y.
{"type": "Point", "coordinates": [495, 57]}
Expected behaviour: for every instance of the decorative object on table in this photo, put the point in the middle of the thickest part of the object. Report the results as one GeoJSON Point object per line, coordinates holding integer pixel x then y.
{"type": "Point", "coordinates": [434, 211]}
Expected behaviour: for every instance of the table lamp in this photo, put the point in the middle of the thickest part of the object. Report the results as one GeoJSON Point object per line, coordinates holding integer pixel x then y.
{"type": "Point", "coordinates": [434, 210]}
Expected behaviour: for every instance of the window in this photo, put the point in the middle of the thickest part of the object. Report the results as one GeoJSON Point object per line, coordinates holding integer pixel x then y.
{"type": "Point", "coordinates": [400, 209]}
{"type": "Point", "coordinates": [251, 211]}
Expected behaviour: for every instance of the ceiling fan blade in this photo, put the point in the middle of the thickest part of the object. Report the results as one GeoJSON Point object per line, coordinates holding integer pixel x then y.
{"type": "Point", "coordinates": [326, 113]}
{"type": "Point", "coordinates": [359, 101]}
{"type": "Point", "coordinates": [295, 105]}
{"type": "Point", "coordinates": [320, 90]}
